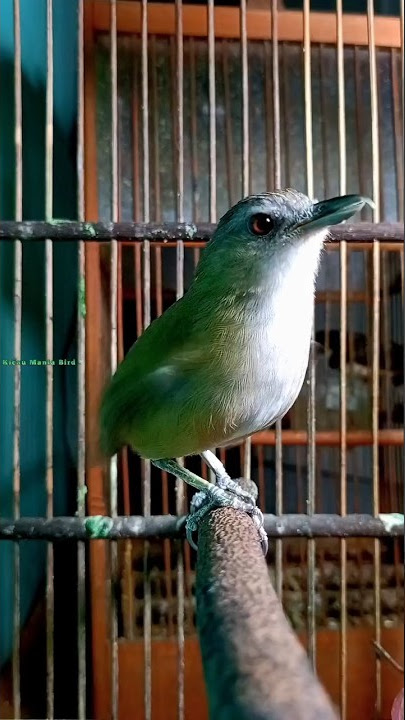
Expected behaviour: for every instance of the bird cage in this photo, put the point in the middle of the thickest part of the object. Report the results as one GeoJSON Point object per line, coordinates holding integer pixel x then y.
{"type": "Point", "coordinates": [191, 108]}
{"type": "Point", "coordinates": [183, 109]}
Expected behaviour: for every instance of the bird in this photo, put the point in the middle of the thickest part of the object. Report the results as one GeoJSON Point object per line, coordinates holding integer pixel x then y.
{"type": "Point", "coordinates": [229, 358]}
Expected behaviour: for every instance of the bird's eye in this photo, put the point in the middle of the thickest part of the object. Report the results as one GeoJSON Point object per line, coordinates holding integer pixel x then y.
{"type": "Point", "coordinates": [261, 224]}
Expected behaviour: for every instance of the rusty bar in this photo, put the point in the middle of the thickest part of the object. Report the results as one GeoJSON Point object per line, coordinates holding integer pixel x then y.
{"type": "Point", "coordinates": [146, 467]}
{"type": "Point", "coordinates": [277, 184]}
{"type": "Point", "coordinates": [172, 526]}
{"type": "Point", "coordinates": [230, 174]}
{"type": "Point", "coordinates": [212, 104]}
{"type": "Point", "coordinates": [17, 354]}
{"type": "Point", "coordinates": [250, 655]}
{"type": "Point", "coordinates": [402, 31]}
{"type": "Point", "coordinates": [374, 111]}
{"type": "Point", "coordinates": [193, 133]}
{"type": "Point", "coordinates": [63, 230]}
{"type": "Point", "coordinates": [375, 332]}
{"type": "Point", "coordinates": [81, 376]}
{"type": "Point", "coordinates": [311, 452]}
{"type": "Point", "coordinates": [162, 22]}
{"type": "Point", "coordinates": [331, 438]}
{"type": "Point", "coordinates": [50, 592]}
{"type": "Point", "coordinates": [247, 463]}
{"type": "Point", "coordinates": [398, 135]}
{"type": "Point", "coordinates": [343, 367]}
{"type": "Point", "coordinates": [156, 147]}
{"type": "Point", "coordinates": [111, 579]}
{"type": "Point", "coordinates": [180, 497]}
{"type": "Point", "coordinates": [376, 501]}
{"type": "Point", "coordinates": [159, 308]}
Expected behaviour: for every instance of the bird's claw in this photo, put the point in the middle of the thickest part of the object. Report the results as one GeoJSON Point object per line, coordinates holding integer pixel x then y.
{"type": "Point", "coordinates": [226, 493]}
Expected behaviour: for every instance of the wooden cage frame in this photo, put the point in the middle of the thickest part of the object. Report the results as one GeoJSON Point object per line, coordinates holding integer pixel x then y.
{"type": "Point", "coordinates": [161, 21]}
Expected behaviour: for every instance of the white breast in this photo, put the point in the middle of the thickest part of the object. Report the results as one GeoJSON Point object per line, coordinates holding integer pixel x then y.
{"type": "Point", "coordinates": [277, 342]}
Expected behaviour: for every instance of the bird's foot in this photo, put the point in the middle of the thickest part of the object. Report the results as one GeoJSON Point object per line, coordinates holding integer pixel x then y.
{"type": "Point", "coordinates": [226, 493]}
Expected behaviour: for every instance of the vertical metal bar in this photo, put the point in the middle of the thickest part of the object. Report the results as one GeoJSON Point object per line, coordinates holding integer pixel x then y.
{"type": "Point", "coordinates": [114, 345]}
{"type": "Point", "coordinates": [159, 308]}
{"type": "Point", "coordinates": [311, 403]}
{"type": "Point", "coordinates": [277, 184]}
{"type": "Point", "coordinates": [245, 99]}
{"type": "Point", "coordinates": [194, 136]}
{"type": "Point", "coordinates": [374, 110]}
{"type": "Point", "coordinates": [212, 106]}
{"type": "Point", "coordinates": [343, 367]}
{"type": "Point", "coordinates": [50, 599]}
{"type": "Point", "coordinates": [276, 94]}
{"type": "Point", "coordinates": [245, 167]}
{"type": "Point", "coordinates": [402, 18]}
{"type": "Point", "coordinates": [308, 100]}
{"type": "Point", "coordinates": [179, 293]}
{"type": "Point", "coordinates": [398, 135]}
{"type": "Point", "coordinates": [147, 610]}
{"type": "Point", "coordinates": [375, 332]}
{"type": "Point", "coordinates": [228, 124]}
{"type": "Point", "coordinates": [81, 374]}
{"type": "Point", "coordinates": [17, 352]}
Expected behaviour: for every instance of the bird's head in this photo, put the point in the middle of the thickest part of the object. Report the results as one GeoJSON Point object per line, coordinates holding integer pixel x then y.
{"type": "Point", "coordinates": [274, 230]}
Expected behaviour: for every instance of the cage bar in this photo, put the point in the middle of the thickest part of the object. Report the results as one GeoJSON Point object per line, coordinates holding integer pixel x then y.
{"type": "Point", "coordinates": [180, 495]}
{"type": "Point", "coordinates": [212, 105]}
{"type": "Point", "coordinates": [311, 452]}
{"type": "Point", "coordinates": [247, 446]}
{"type": "Point", "coordinates": [81, 378]}
{"type": "Point", "coordinates": [375, 332]}
{"type": "Point", "coordinates": [343, 372]}
{"type": "Point", "coordinates": [146, 467]}
{"type": "Point", "coordinates": [50, 593]}
{"type": "Point", "coordinates": [111, 579]}
{"type": "Point", "coordinates": [63, 230]}
{"type": "Point", "coordinates": [17, 354]}
{"type": "Point", "coordinates": [277, 184]}
{"type": "Point", "coordinates": [173, 527]}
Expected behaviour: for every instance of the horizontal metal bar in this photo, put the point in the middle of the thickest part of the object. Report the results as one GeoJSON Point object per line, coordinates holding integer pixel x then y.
{"type": "Point", "coordinates": [254, 666]}
{"type": "Point", "coordinates": [61, 230]}
{"type": "Point", "coordinates": [161, 21]}
{"type": "Point", "coordinates": [171, 526]}
{"type": "Point", "coordinates": [331, 438]}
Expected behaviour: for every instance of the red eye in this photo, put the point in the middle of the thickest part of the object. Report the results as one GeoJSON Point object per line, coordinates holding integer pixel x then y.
{"type": "Point", "coordinates": [261, 224]}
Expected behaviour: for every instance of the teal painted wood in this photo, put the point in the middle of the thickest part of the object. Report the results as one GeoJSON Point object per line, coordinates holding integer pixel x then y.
{"type": "Point", "coordinates": [33, 499]}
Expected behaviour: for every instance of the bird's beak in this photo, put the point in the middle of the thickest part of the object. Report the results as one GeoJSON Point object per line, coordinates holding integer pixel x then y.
{"type": "Point", "coordinates": [333, 211]}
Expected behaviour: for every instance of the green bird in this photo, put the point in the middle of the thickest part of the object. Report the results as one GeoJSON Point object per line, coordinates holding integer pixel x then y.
{"type": "Point", "coordinates": [229, 358]}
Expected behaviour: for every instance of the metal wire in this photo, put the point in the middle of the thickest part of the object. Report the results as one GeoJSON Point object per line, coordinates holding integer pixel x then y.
{"type": "Point", "coordinates": [247, 448]}
{"type": "Point", "coordinates": [375, 333]}
{"type": "Point", "coordinates": [179, 293]}
{"type": "Point", "coordinates": [343, 371]}
{"type": "Point", "coordinates": [311, 458]}
{"type": "Point", "coordinates": [17, 354]}
{"type": "Point", "coordinates": [173, 526]}
{"type": "Point", "coordinates": [113, 348]}
{"type": "Point", "coordinates": [50, 598]}
{"type": "Point", "coordinates": [277, 184]}
{"type": "Point", "coordinates": [81, 377]}
{"type": "Point", "coordinates": [212, 105]}
{"type": "Point", "coordinates": [146, 467]}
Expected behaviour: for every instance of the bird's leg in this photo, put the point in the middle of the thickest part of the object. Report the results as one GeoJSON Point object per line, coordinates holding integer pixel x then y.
{"type": "Point", "coordinates": [224, 481]}
{"type": "Point", "coordinates": [210, 496]}
{"type": "Point", "coordinates": [244, 490]}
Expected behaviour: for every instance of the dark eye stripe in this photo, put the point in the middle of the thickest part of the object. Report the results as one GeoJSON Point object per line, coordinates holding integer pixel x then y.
{"type": "Point", "coordinates": [261, 224]}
